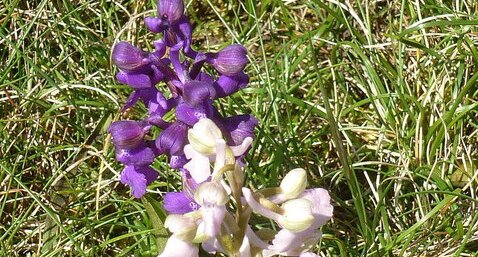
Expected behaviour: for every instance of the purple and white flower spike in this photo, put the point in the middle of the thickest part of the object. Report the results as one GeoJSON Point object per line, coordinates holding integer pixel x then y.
{"type": "Point", "coordinates": [214, 208]}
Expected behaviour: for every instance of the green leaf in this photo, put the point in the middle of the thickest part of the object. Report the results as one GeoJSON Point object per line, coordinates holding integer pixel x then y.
{"type": "Point", "coordinates": [157, 216]}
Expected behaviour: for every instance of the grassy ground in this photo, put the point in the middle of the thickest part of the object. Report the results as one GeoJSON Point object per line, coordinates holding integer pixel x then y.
{"type": "Point", "coordinates": [376, 99]}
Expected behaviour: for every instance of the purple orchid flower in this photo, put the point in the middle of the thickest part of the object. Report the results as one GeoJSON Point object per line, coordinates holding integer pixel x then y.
{"type": "Point", "coordinates": [128, 134]}
{"type": "Point", "coordinates": [174, 63]}
{"type": "Point", "coordinates": [229, 61]}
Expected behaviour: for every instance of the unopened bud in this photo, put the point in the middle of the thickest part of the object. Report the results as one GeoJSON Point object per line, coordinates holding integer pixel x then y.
{"type": "Point", "coordinates": [231, 60]}
{"type": "Point", "coordinates": [128, 57]}
{"type": "Point", "coordinates": [171, 10]}
{"type": "Point", "coordinates": [203, 136]}
{"type": "Point", "coordinates": [297, 215]}
{"type": "Point", "coordinates": [126, 134]}
{"type": "Point", "coordinates": [294, 183]}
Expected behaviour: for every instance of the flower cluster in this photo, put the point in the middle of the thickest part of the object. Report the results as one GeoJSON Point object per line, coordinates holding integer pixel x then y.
{"type": "Point", "coordinates": [214, 208]}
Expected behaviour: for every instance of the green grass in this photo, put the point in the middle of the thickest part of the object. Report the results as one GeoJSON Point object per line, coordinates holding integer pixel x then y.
{"type": "Point", "coordinates": [377, 100]}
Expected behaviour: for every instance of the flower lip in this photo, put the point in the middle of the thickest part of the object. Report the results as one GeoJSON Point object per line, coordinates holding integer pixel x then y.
{"type": "Point", "coordinates": [139, 156]}
{"type": "Point", "coordinates": [191, 115]}
{"type": "Point", "coordinates": [179, 203]}
{"type": "Point", "coordinates": [227, 85]}
{"type": "Point", "coordinates": [177, 161]}
{"type": "Point", "coordinates": [239, 127]}
{"type": "Point", "coordinates": [129, 58]}
{"type": "Point", "coordinates": [138, 178]}
{"type": "Point", "coordinates": [170, 10]}
{"type": "Point", "coordinates": [178, 247]}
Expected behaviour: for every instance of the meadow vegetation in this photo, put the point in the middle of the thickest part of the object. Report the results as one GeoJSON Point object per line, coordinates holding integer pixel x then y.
{"type": "Point", "coordinates": [377, 100]}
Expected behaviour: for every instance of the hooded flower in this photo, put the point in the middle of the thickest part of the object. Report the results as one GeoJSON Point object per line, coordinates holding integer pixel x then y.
{"type": "Point", "coordinates": [170, 10]}
{"type": "Point", "coordinates": [136, 68]}
{"type": "Point", "coordinates": [231, 60]}
{"type": "Point", "coordinates": [172, 139]}
{"type": "Point", "coordinates": [129, 58]}
{"type": "Point", "coordinates": [301, 213]}
{"type": "Point", "coordinates": [127, 134]}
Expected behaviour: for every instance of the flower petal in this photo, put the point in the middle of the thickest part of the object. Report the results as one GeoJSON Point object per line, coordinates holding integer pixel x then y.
{"type": "Point", "coordinates": [227, 85]}
{"type": "Point", "coordinates": [254, 239]}
{"type": "Point", "coordinates": [322, 210]}
{"type": "Point", "coordinates": [127, 134]}
{"type": "Point", "coordinates": [171, 10]}
{"type": "Point", "coordinates": [212, 246]}
{"type": "Point", "coordinates": [138, 178]}
{"type": "Point", "coordinates": [213, 217]}
{"type": "Point", "coordinates": [292, 244]}
{"type": "Point", "coordinates": [177, 161]}
{"type": "Point", "coordinates": [176, 247]}
{"type": "Point", "coordinates": [185, 33]}
{"type": "Point", "coordinates": [231, 60]}
{"type": "Point", "coordinates": [239, 127]}
{"type": "Point", "coordinates": [191, 115]}
{"type": "Point", "coordinates": [154, 24]}
{"type": "Point", "coordinates": [198, 166]}
{"type": "Point", "coordinates": [241, 149]}
{"type": "Point", "coordinates": [195, 92]}
{"type": "Point", "coordinates": [179, 203]}
{"type": "Point", "coordinates": [172, 139]}
{"type": "Point", "coordinates": [245, 249]}
{"type": "Point", "coordinates": [257, 207]}
{"type": "Point", "coordinates": [139, 156]}
{"type": "Point", "coordinates": [135, 80]}
{"type": "Point", "coordinates": [128, 57]}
